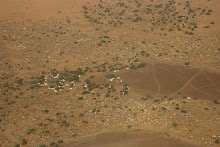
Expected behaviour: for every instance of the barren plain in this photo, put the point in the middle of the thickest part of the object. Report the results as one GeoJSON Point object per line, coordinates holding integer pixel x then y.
{"type": "Point", "coordinates": [109, 73]}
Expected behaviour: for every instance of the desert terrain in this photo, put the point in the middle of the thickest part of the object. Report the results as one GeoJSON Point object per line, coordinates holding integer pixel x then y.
{"type": "Point", "coordinates": [109, 73]}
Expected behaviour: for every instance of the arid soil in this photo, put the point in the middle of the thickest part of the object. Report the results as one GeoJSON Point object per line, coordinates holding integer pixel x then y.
{"type": "Point", "coordinates": [129, 139]}
{"type": "Point", "coordinates": [109, 73]}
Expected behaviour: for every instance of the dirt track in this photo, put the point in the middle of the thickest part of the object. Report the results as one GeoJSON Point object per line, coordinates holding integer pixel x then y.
{"type": "Point", "coordinates": [165, 80]}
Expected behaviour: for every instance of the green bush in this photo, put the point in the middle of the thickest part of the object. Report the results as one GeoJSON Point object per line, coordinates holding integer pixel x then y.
{"type": "Point", "coordinates": [133, 67]}
{"type": "Point", "coordinates": [206, 27]}
{"type": "Point", "coordinates": [99, 44]}
{"type": "Point", "coordinates": [52, 144]}
{"type": "Point", "coordinates": [60, 141]}
{"type": "Point", "coordinates": [109, 76]}
{"type": "Point", "coordinates": [46, 111]}
{"type": "Point", "coordinates": [187, 63]}
{"type": "Point", "coordinates": [80, 98]}
{"type": "Point", "coordinates": [191, 33]}
{"type": "Point", "coordinates": [141, 65]}
{"type": "Point", "coordinates": [19, 81]}
{"type": "Point", "coordinates": [81, 115]}
{"type": "Point", "coordinates": [103, 41]}
{"type": "Point", "coordinates": [177, 108]}
{"type": "Point", "coordinates": [23, 142]}
{"type": "Point", "coordinates": [143, 42]}
{"type": "Point", "coordinates": [142, 53]}
{"type": "Point", "coordinates": [147, 55]}
{"type": "Point", "coordinates": [136, 60]}
{"type": "Point", "coordinates": [175, 124]}
{"type": "Point", "coordinates": [183, 111]}
{"type": "Point", "coordinates": [171, 29]}
{"type": "Point", "coordinates": [216, 102]}
{"type": "Point", "coordinates": [129, 126]}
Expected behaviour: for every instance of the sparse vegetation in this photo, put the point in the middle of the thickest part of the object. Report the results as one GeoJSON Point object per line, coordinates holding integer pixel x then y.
{"type": "Point", "coordinates": [70, 76]}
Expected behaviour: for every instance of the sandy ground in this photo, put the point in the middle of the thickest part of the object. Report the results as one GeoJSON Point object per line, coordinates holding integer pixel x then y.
{"type": "Point", "coordinates": [28, 9]}
{"type": "Point", "coordinates": [36, 37]}
{"type": "Point", "coordinates": [129, 139]}
{"type": "Point", "coordinates": [173, 79]}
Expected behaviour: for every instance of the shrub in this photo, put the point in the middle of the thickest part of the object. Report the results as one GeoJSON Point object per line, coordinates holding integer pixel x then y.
{"type": "Point", "coordinates": [58, 113]}
{"type": "Point", "coordinates": [80, 98]}
{"type": "Point", "coordinates": [60, 141]}
{"type": "Point", "coordinates": [142, 53]}
{"type": "Point", "coordinates": [46, 111]}
{"type": "Point", "coordinates": [136, 60]}
{"type": "Point", "coordinates": [191, 33]}
{"type": "Point", "coordinates": [187, 63]}
{"type": "Point", "coordinates": [175, 124]}
{"type": "Point", "coordinates": [52, 144]}
{"type": "Point", "coordinates": [84, 92]}
{"type": "Point", "coordinates": [183, 111]}
{"type": "Point", "coordinates": [143, 42]}
{"type": "Point", "coordinates": [133, 67]}
{"type": "Point", "coordinates": [206, 27]}
{"type": "Point", "coordinates": [147, 55]}
{"type": "Point", "coordinates": [30, 131]}
{"type": "Point", "coordinates": [107, 94]}
{"type": "Point", "coordinates": [129, 126]}
{"type": "Point", "coordinates": [81, 115]}
{"type": "Point", "coordinates": [109, 76]}
{"type": "Point", "coordinates": [141, 65]}
{"type": "Point", "coordinates": [99, 44]}
{"type": "Point", "coordinates": [23, 142]}
{"type": "Point", "coordinates": [103, 41]}
{"type": "Point", "coordinates": [19, 81]}
{"type": "Point", "coordinates": [171, 29]}
{"type": "Point", "coordinates": [216, 102]}
{"type": "Point", "coordinates": [6, 85]}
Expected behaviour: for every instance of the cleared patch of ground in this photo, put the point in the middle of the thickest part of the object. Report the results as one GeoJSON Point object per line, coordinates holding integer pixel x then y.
{"type": "Point", "coordinates": [173, 81]}
{"type": "Point", "coordinates": [129, 139]}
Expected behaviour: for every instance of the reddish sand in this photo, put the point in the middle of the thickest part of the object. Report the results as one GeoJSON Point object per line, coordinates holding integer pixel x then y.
{"type": "Point", "coordinates": [123, 139]}
{"type": "Point", "coordinates": [156, 79]}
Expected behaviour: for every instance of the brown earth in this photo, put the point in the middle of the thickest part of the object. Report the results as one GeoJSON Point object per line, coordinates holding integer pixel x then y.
{"type": "Point", "coordinates": [171, 80]}
{"type": "Point", "coordinates": [129, 139]}
{"type": "Point", "coordinates": [168, 102]}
